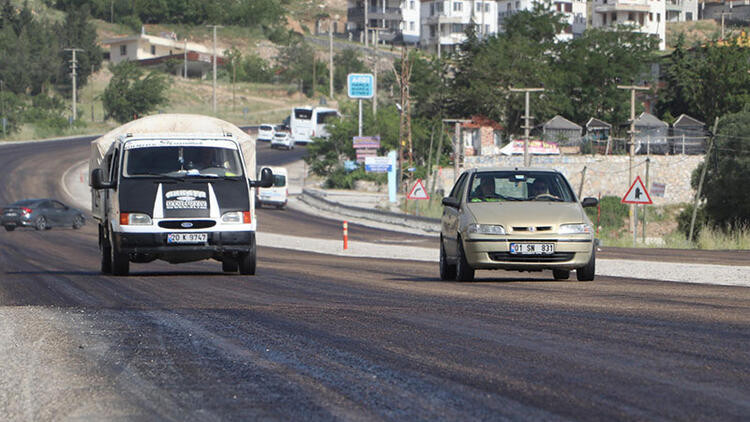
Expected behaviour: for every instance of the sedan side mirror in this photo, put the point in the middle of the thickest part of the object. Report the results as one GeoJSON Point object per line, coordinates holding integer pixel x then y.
{"type": "Point", "coordinates": [97, 180]}
{"type": "Point", "coordinates": [266, 179]}
{"type": "Point", "coordinates": [450, 202]}
{"type": "Point", "coordinates": [589, 202]}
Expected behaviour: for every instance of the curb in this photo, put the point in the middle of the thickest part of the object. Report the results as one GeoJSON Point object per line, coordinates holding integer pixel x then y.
{"type": "Point", "coordinates": [318, 200]}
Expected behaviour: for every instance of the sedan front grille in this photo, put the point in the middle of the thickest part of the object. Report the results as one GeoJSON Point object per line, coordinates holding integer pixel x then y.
{"type": "Point", "coordinates": [508, 257]}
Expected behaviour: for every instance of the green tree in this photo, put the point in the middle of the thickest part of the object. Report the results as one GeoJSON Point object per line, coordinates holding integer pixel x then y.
{"type": "Point", "coordinates": [345, 62]}
{"type": "Point", "coordinates": [707, 80]}
{"type": "Point", "coordinates": [131, 94]}
{"type": "Point", "coordinates": [77, 30]}
{"type": "Point", "coordinates": [725, 189]}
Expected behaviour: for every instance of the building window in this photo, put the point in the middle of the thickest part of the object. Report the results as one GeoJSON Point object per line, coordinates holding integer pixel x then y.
{"type": "Point", "coordinates": [569, 7]}
{"type": "Point", "coordinates": [558, 6]}
{"type": "Point", "coordinates": [432, 9]}
{"type": "Point", "coordinates": [123, 50]}
{"type": "Point", "coordinates": [487, 28]}
{"type": "Point", "coordinates": [631, 16]}
{"type": "Point", "coordinates": [153, 50]}
{"type": "Point", "coordinates": [411, 5]}
{"type": "Point", "coordinates": [411, 25]}
{"type": "Point", "coordinates": [439, 7]}
{"type": "Point", "coordinates": [604, 18]}
{"type": "Point", "coordinates": [688, 16]}
{"type": "Point", "coordinates": [518, 4]}
{"type": "Point", "coordinates": [432, 31]}
{"type": "Point", "coordinates": [486, 7]}
{"type": "Point", "coordinates": [458, 6]}
{"type": "Point", "coordinates": [457, 28]}
{"type": "Point", "coordinates": [650, 17]}
{"type": "Point", "coordinates": [614, 17]}
{"type": "Point", "coordinates": [479, 7]}
{"type": "Point", "coordinates": [658, 17]}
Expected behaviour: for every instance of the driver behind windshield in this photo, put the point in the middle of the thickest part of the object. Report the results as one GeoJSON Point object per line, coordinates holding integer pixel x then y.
{"type": "Point", "coordinates": [485, 191]}
{"type": "Point", "coordinates": [540, 189]}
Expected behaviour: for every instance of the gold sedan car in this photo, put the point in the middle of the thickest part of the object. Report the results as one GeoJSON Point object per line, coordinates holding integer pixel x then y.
{"type": "Point", "coordinates": [522, 219]}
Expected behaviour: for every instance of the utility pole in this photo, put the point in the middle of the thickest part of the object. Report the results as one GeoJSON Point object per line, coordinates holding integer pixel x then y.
{"type": "Point", "coordinates": [330, 58]}
{"type": "Point", "coordinates": [527, 124]}
{"type": "Point", "coordinates": [367, 3]}
{"type": "Point", "coordinates": [722, 22]}
{"type": "Point", "coordinates": [184, 68]}
{"type": "Point", "coordinates": [2, 104]}
{"type": "Point", "coordinates": [73, 67]}
{"type": "Point", "coordinates": [457, 145]}
{"type": "Point", "coordinates": [313, 78]}
{"type": "Point", "coordinates": [92, 95]}
{"type": "Point", "coordinates": [403, 80]}
{"type": "Point", "coordinates": [700, 182]}
{"type": "Point", "coordinates": [214, 69]}
{"type": "Point", "coordinates": [633, 89]}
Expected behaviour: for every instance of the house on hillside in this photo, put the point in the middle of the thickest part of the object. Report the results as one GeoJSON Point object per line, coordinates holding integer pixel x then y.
{"type": "Point", "coordinates": [481, 136]}
{"type": "Point", "coordinates": [651, 135]}
{"type": "Point", "coordinates": [150, 50]}
{"type": "Point", "coordinates": [564, 133]}
{"type": "Point", "coordinates": [396, 21]}
{"type": "Point", "coordinates": [598, 134]}
{"type": "Point", "coordinates": [689, 136]}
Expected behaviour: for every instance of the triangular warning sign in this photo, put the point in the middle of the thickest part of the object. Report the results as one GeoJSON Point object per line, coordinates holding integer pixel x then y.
{"type": "Point", "coordinates": [418, 191]}
{"type": "Point", "coordinates": [637, 194]}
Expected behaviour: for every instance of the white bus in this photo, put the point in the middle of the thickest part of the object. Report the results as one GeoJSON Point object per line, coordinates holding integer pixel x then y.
{"type": "Point", "coordinates": [308, 122]}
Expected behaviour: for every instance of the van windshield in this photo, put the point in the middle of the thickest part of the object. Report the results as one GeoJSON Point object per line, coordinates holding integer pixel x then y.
{"type": "Point", "coordinates": [182, 161]}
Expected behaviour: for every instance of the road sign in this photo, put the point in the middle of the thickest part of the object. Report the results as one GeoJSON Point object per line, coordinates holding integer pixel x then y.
{"type": "Point", "coordinates": [360, 85]}
{"type": "Point", "coordinates": [658, 189]}
{"type": "Point", "coordinates": [418, 191]}
{"type": "Point", "coordinates": [637, 194]}
{"type": "Point", "coordinates": [377, 164]}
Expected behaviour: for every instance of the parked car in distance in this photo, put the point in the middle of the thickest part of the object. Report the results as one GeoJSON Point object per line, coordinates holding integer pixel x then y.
{"type": "Point", "coordinates": [265, 132]}
{"type": "Point", "coordinates": [282, 139]}
{"type": "Point", "coordinates": [41, 214]}
{"type": "Point", "coordinates": [276, 195]}
{"type": "Point", "coordinates": [523, 219]}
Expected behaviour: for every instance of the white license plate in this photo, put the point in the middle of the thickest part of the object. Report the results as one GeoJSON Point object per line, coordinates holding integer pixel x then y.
{"type": "Point", "coordinates": [187, 237]}
{"type": "Point", "coordinates": [11, 214]}
{"type": "Point", "coordinates": [532, 248]}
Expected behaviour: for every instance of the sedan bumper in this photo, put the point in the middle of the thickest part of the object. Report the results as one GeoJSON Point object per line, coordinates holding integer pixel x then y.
{"type": "Point", "coordinates": [569, 253]}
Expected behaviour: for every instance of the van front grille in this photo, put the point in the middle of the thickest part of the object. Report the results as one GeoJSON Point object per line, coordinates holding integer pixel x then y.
{"type": "Point", "coordinates": [187, 224]}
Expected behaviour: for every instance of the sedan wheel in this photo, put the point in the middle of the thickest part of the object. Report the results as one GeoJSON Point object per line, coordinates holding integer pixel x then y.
{"type": "Point", "coordinates": [41, 223]}
{"type": "Point", "coordinates": [588, 272]}
{"type": "Point", "coordinates": [464, 272]}
{"type": "Point", "coordinates": [447, 271]}
{"type": "Point", "coordinates": [78, 222]}
{"type": "Point", "coordinates": [10, 228]}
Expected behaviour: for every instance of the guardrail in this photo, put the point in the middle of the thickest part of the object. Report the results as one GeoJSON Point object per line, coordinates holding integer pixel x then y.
{"type": "Point", "coordinates": [318, 200]}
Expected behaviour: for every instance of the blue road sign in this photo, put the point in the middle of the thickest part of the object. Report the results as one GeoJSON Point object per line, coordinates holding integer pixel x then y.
{"type": "Point", "coordinates": [360, 85]}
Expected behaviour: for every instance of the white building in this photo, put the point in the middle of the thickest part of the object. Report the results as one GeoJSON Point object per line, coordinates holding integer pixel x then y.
{"type": "Point", "coordinates": [646, 16]}
{"type": "Point", "coordinates": [395, 20]}
{"type": "Point", "coordinates": [574, 11]}
{"type": "Point", "coordinates": [149, 50]}
{"type": "Point", "coordinates": [682, 10]}
{"type": "Point", "coordinates": [444, 22]}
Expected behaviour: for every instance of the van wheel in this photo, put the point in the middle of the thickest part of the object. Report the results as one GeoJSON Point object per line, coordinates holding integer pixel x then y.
{"type": "Point", "coordinates": [561, 274]}
{"type": "Point", "coordinates": [120, 262]}
{"type": "Point", "coordinates": [247, 260]}
{"type": "Point", "coordinates": [588, 272]}
{"type": "Point", "coordinates": [229, 265]}
{"type": "Point", "coordinates": [447, 271]}
{"type": "Point", "coordinates": [10, 228]}
{"type": "Point", "coordinates": [464, 272]}
{"type": "Point", "coordinates": [105, 251]}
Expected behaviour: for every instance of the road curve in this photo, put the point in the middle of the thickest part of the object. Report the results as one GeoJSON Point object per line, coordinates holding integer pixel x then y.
{"type": "Point", "coordinates": [314, 337]}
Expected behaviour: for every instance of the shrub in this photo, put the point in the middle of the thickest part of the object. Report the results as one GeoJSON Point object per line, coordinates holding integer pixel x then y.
{"type": "Point", "coordinates": [683, 221]}
{"type": "Point", "coordinates": [613, 214]}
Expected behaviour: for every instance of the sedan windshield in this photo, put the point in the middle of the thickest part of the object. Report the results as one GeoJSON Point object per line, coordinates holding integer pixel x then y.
{"type": "Point", "coordinates": [519, 186]}
{"type": "Point", "coordinates": [182, 161]}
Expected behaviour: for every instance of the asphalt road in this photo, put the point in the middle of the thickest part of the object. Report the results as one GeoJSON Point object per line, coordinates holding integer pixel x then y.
{"type": "Point", "coordinates": [313, 337]}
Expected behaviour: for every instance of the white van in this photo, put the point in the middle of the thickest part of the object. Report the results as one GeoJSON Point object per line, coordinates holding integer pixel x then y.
{"type": "Point", "coordinates": [265, 132]}
{"type": "Point", "coordinates": [278, 193]}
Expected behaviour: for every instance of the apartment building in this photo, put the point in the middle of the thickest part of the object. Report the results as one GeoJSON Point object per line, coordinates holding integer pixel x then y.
{"type": "Point", "coordinates": [574, 11]}
{"type": "Point", "coordinates": [646, 16]}
{"type": "Point", "coordinates": [682, 10]}
{"type": "Point", "coordinates": [395, 20]}
{"type": "Point", "coordinates": [444, 22]}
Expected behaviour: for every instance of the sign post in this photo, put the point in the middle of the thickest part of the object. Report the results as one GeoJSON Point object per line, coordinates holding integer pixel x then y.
{"type": "Point", "coordinates": [360, 86]}
{"type": "Point", "coordinates": [392, 176]}
{"type": "Point", "coordinates": [636, 195]}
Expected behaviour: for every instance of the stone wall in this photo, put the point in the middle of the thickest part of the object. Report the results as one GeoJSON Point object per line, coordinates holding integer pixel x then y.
{"type": "Point", "coordinates": [607, 175]}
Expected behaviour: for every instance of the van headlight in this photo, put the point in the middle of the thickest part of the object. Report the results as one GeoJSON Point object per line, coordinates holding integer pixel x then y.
{"type": "Point", "coordinates": [574, 229]}
{"type": "Point", "coordinates": [236, 217]}
{"type": "Point", "coordinates": [486, 229]}
{"type": "Point", "coordinates": [135, 219]}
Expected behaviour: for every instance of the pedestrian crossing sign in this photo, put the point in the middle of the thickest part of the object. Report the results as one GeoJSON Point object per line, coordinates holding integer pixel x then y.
{"type": "Point", "coordinates": [418, 191]}
{"type": "Point", "coordinates": [637, 194]}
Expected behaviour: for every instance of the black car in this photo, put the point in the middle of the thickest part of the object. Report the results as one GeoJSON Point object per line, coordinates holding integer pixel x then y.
{"type": "Point", "coordinates": [41, 214]}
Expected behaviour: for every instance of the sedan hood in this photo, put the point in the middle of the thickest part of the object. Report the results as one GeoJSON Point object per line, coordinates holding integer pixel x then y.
{"type": "Point", "coordinates": [528, 213]}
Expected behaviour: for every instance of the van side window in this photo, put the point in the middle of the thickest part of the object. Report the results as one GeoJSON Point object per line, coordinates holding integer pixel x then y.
{"type": "Point", "coordinates": [113, 165]}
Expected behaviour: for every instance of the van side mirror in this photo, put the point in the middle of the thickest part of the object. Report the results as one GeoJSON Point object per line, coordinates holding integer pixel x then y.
{"type": "Point", "coordinates": [266, 179]}
{"type": "Point", "coordinates": [450, 202]}
{"type": "Point", "coordinates": [589, 202]}
{"type": "Point", "coordinates": [97, 180]}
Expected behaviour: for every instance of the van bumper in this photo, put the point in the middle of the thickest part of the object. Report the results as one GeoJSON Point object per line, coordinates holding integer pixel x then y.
{"type": "Point", "coordinates": [218, 243]}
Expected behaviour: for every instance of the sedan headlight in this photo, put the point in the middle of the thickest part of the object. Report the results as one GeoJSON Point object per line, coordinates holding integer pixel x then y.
{"type": "Point", "coordinates": [236, 217]}
{"type": "Point", "coordinates": [486, 229]}
{"type": "Point", "coordinates": [574, 229]}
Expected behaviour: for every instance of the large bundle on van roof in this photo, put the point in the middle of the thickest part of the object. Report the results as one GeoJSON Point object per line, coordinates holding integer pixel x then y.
{"type": "Point", "coordinates": [173, 125]}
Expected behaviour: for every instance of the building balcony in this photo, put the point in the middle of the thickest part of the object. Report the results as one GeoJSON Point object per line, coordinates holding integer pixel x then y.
{"type": "Point", "coordinates": [440, 19]}
{"type": "Point", "coordinates": [623, 7]}
{"type": "Point", "coordinates": [357, 14]}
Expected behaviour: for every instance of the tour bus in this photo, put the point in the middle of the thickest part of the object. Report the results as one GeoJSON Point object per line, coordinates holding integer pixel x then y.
{"type": "Point", "coordinates": [308, 122]}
